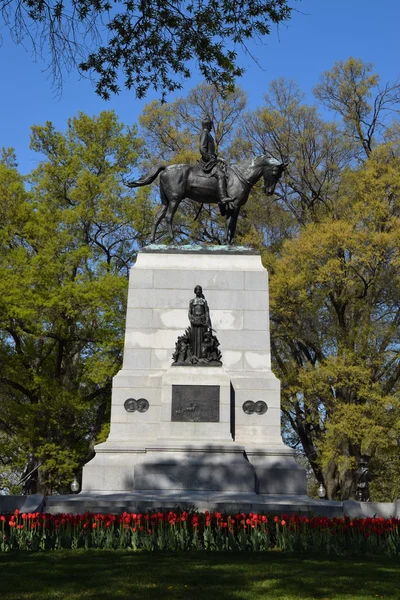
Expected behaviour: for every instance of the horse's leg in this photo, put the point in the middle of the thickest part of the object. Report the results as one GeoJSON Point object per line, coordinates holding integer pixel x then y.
{"type": "Point", "coordinates": [172, 206]}
{"type": "Point", "coordinates": [231, 224]}
{"type": "Point", "coordinates": [227, 226]}
{"type": "Point", "coordinates": [160, 214]}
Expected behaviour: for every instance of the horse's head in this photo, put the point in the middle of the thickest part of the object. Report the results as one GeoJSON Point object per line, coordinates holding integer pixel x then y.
{"type": "Point", "coordinates": [272, 173]}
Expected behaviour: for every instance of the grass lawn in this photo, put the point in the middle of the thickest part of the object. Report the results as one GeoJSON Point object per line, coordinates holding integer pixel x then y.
{"type": "Point", "coordinates": [103, 574]}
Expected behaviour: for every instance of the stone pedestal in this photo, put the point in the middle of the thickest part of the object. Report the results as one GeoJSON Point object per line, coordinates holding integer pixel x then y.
{"type": "Point", "coordinates": [202, 428]}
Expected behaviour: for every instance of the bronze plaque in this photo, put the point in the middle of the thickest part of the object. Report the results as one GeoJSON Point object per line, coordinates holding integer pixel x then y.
{"type": "Point", "coordinates": [195, 403]}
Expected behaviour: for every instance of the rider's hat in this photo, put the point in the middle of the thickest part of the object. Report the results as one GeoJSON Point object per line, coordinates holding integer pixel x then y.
{"type": "Point", "coordinates": [206, 121]}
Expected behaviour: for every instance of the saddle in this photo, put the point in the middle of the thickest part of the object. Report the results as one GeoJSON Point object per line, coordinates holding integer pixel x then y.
{"type": "Point", "coordinates": [198, 171]}
{"type": "Point", "coordinates": [206, 181]}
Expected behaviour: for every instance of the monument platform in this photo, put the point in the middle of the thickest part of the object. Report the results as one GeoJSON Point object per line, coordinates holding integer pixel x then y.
{"type": "Point", "coordinates": [231, 502]}
{"type": "Point", "coordinates": [196, 429]}
{"type": "Point", "coordinates": [137, 501]}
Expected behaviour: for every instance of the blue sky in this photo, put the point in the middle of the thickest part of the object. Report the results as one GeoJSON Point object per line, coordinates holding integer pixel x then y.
{"type": "Point", "coordinates": [319, 33]}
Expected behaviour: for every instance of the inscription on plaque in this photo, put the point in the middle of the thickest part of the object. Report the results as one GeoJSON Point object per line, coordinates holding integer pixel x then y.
{"type": "Point", "coordinates": [195, 403]}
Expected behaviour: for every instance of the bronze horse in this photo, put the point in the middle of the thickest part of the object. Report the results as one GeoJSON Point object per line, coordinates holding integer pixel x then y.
{"type": "Point", "coordinates": [178, 182]}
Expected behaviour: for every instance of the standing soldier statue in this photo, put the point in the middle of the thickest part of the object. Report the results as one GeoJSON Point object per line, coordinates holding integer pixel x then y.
{"type": "Point", "coordinates": [29, 478]}
{"type": "Point", "coordinates": [212, 165]}
{"type": "Point", "coordinates": [362, 491]}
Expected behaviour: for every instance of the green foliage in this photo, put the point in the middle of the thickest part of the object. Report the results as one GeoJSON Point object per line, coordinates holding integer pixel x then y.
{"type": "Point", "coordinates": [151, 44]}
{"type": "Point", "coordinates": [334, 303]}
{"type": "Point", "coordinates": [66, 246]}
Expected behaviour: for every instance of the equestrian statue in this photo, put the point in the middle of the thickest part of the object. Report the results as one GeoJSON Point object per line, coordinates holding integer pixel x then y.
{"type": "Point", "coordinates": [211, 181]}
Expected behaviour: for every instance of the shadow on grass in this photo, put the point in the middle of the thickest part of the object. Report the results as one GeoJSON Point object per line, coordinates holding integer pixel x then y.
{"type": "Point", "coordinates": [138, 576]}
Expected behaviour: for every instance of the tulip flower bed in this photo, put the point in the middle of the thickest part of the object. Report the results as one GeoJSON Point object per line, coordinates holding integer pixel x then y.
{"type": "Point", "coordinates": [171, 531]}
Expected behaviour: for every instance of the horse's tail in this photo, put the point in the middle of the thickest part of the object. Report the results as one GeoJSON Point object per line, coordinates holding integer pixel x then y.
{"type": "Point", "coordinates": [148, 179]}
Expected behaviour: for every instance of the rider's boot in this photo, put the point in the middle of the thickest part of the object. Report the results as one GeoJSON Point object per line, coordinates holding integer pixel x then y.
{"type": "Point", "coordinates": [224, 199]}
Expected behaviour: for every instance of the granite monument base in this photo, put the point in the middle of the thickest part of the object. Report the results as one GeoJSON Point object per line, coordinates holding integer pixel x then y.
{"type": "Point", "coordinates": [199, 429]}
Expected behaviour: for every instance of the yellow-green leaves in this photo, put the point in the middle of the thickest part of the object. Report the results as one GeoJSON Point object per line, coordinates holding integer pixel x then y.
{"type": "Point", "coordinates": [65, 250]}
{"type": "Point", "coordinates": [335, 309]}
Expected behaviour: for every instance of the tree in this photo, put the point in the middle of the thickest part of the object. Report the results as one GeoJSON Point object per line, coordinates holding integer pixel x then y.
{"type": "Point", "coordinates": [336, 314]}
{"type": "Point", "coordinates": [331, 244]}
{"type": "Point", "coordinates": [151, 44]}
{"type": "Point", "coordinates": [171, 130]}
{"type": "Point", "coordinates": [352, 90]}
{"type": "Point", "coordinates": [317, 150]}
{"type": "Point", "coordinates": [66, 246]}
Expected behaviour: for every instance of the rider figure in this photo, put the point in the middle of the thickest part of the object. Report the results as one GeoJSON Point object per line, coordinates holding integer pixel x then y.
{"type": "Point", "coordinates": [213, 165]}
